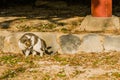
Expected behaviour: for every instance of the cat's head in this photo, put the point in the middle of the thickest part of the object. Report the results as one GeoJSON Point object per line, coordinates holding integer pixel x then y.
{"type": "Point", "coordinates": [25, 40]}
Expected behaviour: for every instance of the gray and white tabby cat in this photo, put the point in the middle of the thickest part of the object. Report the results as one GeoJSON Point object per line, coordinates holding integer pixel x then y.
{"type": "Point", "coordinates": [30, 43]}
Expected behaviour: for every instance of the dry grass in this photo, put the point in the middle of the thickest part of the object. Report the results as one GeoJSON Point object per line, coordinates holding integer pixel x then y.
{"type": "Point", "coordinates": [82, 66]}
{"type": "Point", "coordinates": [61, 67]}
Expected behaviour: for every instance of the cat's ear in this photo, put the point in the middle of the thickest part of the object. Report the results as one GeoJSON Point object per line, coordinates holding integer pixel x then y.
{"type": "Point", "coordinates": [28, 36]}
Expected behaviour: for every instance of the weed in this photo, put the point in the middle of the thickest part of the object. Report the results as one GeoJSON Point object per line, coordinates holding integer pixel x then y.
{"type": "Point", "coordinates": [74, 61]}
{"type": "Point", "coordinates": [61, 74]}
{"type": "Point", "coordinates": [12, 73]}
{"type": "Point", "coordinates": [62, 60]}
{"type": "Point", "coordinates": [41, 27]}
{"type": "Point", "coordinates": [9, 59]}
{"type": "Point", "coordinates": [61, 24]}
{"type": "Point", "coordinates": [46, 27]}
{"type": "Point", "coordinates": [24, 28]}
{"type": "Point", "coordinates": [59, 59]}
{"type": "Point", "coordinates": [64, 30]}
{"type": "Point", "coordinates": [74, 23]}
{"type": "Point", "coordinates": [106, 76]}
{"type": "Point", "coordinates": [30, 62]}
{"type": "Point", "coordinates": [22, 19]}
{"type": "Point", "coordinates": [116, 74]}
{"type": "Point", "coordinates": [77, 72]}
{"type": "Point", "coordinates": [46, 76]}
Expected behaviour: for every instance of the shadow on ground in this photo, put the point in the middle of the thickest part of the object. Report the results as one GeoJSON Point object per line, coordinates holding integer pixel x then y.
{"type": "Point", "coordinates": [62, 10]}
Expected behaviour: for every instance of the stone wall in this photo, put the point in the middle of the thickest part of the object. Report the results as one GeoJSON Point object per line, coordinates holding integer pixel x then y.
{"type": "Point", "coordinates": [65, 43]}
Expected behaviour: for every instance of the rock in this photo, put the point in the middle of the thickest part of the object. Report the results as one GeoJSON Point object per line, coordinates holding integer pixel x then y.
{"type": "Point", "coordinates": [69, 44]}
{"type": "Point", "coordinates": [10, 44]}
{"type": "Point", "coordinates": [3, 35]}
{"type": "Point", "coordinates": [100, 23]}
{"type": "Point", "coordinates": [91, 43]}
{"type": "Point", "coordinates": [112, 43]}
{"type": "Point", "coordinates": [5, 25]}
{"type": "Point", "coordinates": [11, 41]}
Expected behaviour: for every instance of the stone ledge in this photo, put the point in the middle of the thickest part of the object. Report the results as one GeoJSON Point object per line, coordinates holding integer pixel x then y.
{"type": "Point", "coordinates": [100, 24]}
{"type": "Point", "coordinates": [64, 43]}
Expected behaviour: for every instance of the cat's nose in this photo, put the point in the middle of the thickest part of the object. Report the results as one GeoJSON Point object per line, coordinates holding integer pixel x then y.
{"type": "Point", "coordinates": [27, 44]}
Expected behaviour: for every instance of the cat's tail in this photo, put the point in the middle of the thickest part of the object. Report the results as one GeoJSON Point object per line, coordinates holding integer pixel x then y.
{"type": "Point", "coordinates": [48, 51]}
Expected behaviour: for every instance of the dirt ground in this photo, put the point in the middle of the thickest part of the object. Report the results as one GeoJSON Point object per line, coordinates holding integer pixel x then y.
{"type": "Point", "coordinates": [102, 66]}
{"type": "Point", "coordinates": [41, 19]}
{"type": "Point", "coordinates": [45, 18]}
{"type": "Point", "coordinates": [82, 66]}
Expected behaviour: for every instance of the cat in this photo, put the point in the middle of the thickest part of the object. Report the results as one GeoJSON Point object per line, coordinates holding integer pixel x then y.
{"type": "Point", "coordinates": [30, 43]}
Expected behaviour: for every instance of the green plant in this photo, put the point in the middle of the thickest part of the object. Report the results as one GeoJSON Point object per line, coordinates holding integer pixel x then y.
{"type": "Point", "coordinates": [46, 27]}
{"type": "Point", "coordinates": [74, 23]}
{"type": "Point", "coordinates": [46, 76]}
{"type": "Point", "coordinates": [64, 30]}
{"type": "Point", "coordinates": [9, 59]}
{"type": "Point", "coordinates": [12, 73]}
{"type": "Point", "coordinates": [61, 74]}
{"type": "Point", "coordinates": [24, 28]}
{"type": "Point", "coordinates": [116, 74]}
{"type": "Point", "coordinates": [76, 72]}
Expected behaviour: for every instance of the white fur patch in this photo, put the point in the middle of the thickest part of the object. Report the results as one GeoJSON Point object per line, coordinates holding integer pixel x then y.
{"type": "Point", "coordinates": [37, 46]}
{"type": "Point", "coordinates": [21, 45]}
{"type": "Point", "coordinates": [28, 36]}
{"type": "Point", "coordinates": [34, 47]}
{"type": "Point", "coordinates": [33, 40]}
